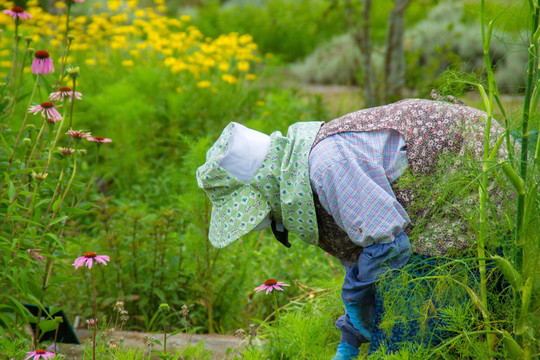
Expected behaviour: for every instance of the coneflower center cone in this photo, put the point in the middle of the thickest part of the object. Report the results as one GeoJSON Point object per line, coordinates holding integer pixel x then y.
{"type": "Point", "coordinates": [270, 282]}
{"type": "Point", "coordinates": [90, 254]}
{"type": "Point", "coordinates": [47, 105]}
{"type": "Point", "coordinates": [17, 9]}
{"type": "Point", "coordinates": [41, 351]}
{"type": "Point", "coordinates": [41, 54]}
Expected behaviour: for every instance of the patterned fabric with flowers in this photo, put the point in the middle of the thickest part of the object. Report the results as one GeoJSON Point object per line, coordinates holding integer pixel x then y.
{"type": "Point", "coordinates": [430, 129]}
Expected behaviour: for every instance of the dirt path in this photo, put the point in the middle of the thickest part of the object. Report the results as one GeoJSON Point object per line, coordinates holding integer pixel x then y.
{"type": "Point", "coordinates": [217, 344]}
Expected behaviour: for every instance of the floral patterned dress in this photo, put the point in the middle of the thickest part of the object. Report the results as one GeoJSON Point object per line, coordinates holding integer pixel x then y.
{"type": "Point", "coordinates": [430, 129]}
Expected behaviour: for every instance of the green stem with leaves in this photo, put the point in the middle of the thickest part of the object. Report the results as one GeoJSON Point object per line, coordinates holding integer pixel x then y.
{"type": "Point", "coordinates": [66, 191]}
{"type": "Point", "coordinates": [276, 315]}
{"type": "Point", "coordinates": [94, 328]}
{"type": "Point", "coordinates": [51, 147]}
{"type": "Point", "coordinates": [483, 196]}
{"type": "Point", "coordinates": [15, 51]}
{"type": "Point", "coordinates": [91, 181]}
{"type": "Point", "coordinates": [13, 151]}
{"type": "Point", "coordinates": [529, 89]}
{"type": "Point", "coordinates": [66, 48]}
{"type": "Point", "coordinates": [164, 334]}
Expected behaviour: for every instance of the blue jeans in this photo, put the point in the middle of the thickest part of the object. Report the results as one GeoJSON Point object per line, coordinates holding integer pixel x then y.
{"type": "Point", "coordinates": [358, 291]}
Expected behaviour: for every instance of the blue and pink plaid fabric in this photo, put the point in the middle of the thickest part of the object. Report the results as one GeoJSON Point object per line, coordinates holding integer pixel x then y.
{"type": "Point", "coordinates": [351, 172]}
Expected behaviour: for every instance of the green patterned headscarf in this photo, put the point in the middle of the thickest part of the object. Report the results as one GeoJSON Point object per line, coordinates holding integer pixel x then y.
{"type": "Point", "coordinates": [280, 186]}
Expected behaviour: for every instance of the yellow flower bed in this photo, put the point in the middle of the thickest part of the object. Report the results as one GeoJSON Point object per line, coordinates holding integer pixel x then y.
{"type": "Point", "coordinates": [139, 35]}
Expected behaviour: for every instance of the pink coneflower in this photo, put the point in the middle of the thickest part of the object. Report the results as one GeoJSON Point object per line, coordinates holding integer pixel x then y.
{"type": "Point", "coordinates": [39, 354]}
{"type": "Point", "coordinates": [63, 93]}
{"type": "Point", "coordinates": [91, 322]}
{"type": "Point", "coordinates": [99, 139]}
{"type": "Point", "coordinates": [88, 259]}
{"type": "Point", "coordinates": [47, 109]}
{"type": "Point", "coordinates": [35, 254]}
{"type": "Point", "coordinates": [66, 151]}
{"type": "Point", "coordinates": [81, 134]}
{"type": "Point", "coordinates": [42, 64]}
{"type": "Point", "coordinates": [18, 13]}
{"type": "Point", "coordinates": [271, 284]}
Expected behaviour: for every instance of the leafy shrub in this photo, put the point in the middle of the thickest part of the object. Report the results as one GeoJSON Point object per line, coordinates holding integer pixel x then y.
{"type": "Point", "coordinates": [287, 28]}
{"type": "Point", "coordinates": [335, 62]}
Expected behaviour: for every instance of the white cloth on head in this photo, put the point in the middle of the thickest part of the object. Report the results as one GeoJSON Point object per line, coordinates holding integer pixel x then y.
{"type": "Point", "coordinates": [245, 153]}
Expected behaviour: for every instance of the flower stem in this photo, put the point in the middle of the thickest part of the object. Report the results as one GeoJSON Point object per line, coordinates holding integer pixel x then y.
{"type": "Point", "coordinates": [94, 329]}
{"type": "Point", "coordinates": [15, 51]}
{"type": "Point", "coordinates": [276, 315]}
{"type": "Point", "coordinates": [56, 137]}
{"type": "Point", "coordinates": [63, 195]}
{"type": "Point", "coordinates": [21, 75]}
{"type": "Point", "coordinates": [91, 177]}
{"type": "Point", "coordinates": [164, 334]}
{"type": "Point", "coordinates": [66, 49]}
{"type": "Point", "coordinates": [74, 82]}
{"type": "Point", "coordinates": [10, 161]}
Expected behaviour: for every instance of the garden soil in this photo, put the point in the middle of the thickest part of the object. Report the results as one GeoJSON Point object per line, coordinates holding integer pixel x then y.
{"type": "Point", "coordinates": [219, 345]}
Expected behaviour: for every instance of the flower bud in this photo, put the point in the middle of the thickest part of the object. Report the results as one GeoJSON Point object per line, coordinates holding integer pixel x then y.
{"type": "Point", "coordinates": [70, 37]}
{"type": "Point", "coordinates": [74, 72]}
{"type": "Point", "coordinates": [28, 39]}
{"type": "Point", "coordinates": [31, 51]}
{"type": "Point", "coordinates": [39, 176]}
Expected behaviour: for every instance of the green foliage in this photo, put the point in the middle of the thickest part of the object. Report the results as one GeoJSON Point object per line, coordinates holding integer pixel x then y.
{"type": "Point", "coordinates": [12, 348]}
{"type": "Point", "coordinates": [197, 352]}
{"type": "Point", "coordinates": [143, 208]}
{"type": "Point", "coordinates": [335, 62]}
{"type": "Point", "coordinates": [448, 37]}
{"type": "Point", "coordinates": [305, 327]}
{"type": "Point", "coordinates": [289, 29]}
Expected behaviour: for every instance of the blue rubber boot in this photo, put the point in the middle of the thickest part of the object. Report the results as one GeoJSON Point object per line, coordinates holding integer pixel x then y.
{"type": "Point", "coordinates": [361, 317]}
{"type": "Point", "coordinates": [345, 351]}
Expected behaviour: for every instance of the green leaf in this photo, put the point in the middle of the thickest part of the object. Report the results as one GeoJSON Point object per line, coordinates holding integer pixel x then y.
{"type": "Point", "coordinates": [514, 178]}
{"type": "Point", "coordinates": [514, 350]}
{"type": "Point", "coordinates": [48, 325]}
{"type": "Point", "coordinates": [6, 147]}
{"type": "Point", "coordinates": [54, 309]}
{"type": "Point", "coordinates": [476, 300]}
{"type": "Point", "coordinates": [75, 211]}
{"type": "Point", "coordinates": [11, 191]}
{"type": "Point", "coordinates": [521, 325]}
{"type": "Point", "coordinates": [58, 219]}
{"type": "Point", "coordinates": [53, 236]}
{"type": "Point", "coordinates": [46, 83]}
{"type": "Point", "coordinates": [56, 204]}
{"type": "Point", "coordinates": [509, 272]}
{"type": "Point", "coordinates": [61, 279]}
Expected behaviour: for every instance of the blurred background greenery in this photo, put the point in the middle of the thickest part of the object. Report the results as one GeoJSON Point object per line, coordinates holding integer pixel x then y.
{"type": "Point", "coordinates": [162, 78]}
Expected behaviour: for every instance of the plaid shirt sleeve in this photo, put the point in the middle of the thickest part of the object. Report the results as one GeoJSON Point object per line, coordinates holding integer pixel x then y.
{"type": "Point", "coordinates": [351, 172]}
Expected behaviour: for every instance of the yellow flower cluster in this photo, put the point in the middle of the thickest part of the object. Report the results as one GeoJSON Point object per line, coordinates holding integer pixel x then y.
{"type": "Point", "coordinates": [125, 31]}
